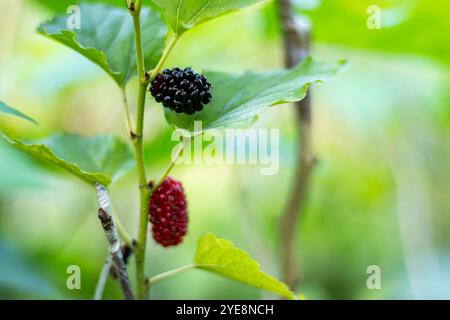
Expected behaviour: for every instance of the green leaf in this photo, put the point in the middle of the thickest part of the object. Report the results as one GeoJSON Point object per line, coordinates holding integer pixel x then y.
{"type": "Point", "coordinates": [106, 38]}
{"type": "Point", "coordinates": [101, 159]}
{"type": "Point", "coordinates": [8, 110]}
{"type": "Point", "coordinates": [183, 15]}
{"type": "Point", "coordinates": [222, 257]}
{"type": "Point", "coordinates": [237, 100]}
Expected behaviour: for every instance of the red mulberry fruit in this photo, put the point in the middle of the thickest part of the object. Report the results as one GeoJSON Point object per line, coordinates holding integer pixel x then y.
{"type": "Point", "coordinates": [181, 90]}
{"type": "Point", "coordinates": [168, 213]}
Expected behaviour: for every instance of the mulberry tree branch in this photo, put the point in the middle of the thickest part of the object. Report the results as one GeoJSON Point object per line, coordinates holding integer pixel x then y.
{"type": "Point", "coordinates": [144, 79]}
{"type": "Point", "coordinates": [109, 227]}
{"type": "Point", "coordinates": [296, 38]}
{"type": "Point", "coordinates": [137, 139]}
{"type": "Point", "coordinates": [102, 279]}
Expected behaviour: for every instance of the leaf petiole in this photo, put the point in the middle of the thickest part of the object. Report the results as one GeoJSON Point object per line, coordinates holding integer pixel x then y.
{"type": "Point", "coordinates": [168, 274]}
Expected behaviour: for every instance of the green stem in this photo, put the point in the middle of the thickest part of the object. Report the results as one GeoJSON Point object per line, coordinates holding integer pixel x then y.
{"type": "Point", "coordinates": [171, 164]}
{"type": "Point", "coordinates": [144, 288]}
{"type": "Point", "coordinates": [140, 164]}
{"type": "Point", "coordinates": [168, 274]}
{"type": "Point", "coordinates": [137, 138]}
{"type": "Point", "coordinates": [164, 57]}
{"type": "Point", "coordinates": [138, 5]}
{"type": "Point", "coordinates": [138, 41]}
{"type": "Point", "coordinates": [143, 216]}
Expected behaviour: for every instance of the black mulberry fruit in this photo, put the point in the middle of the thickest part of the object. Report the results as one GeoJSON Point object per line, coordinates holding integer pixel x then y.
{"type": "Point", "coordinates": [168, 213]}
{"type": "Point", "coordinates": [182, 90]}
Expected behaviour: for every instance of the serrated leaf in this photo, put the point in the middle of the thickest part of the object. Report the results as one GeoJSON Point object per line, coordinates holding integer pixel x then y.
{"type": "Point", "coordinates": [238, 99]}
{"type": "Point", "coordinates": [106, 38]}
{"type": "Point", "coordinates": [101, 159]}
{"type": "Point", "coordinates": [4, 108]}
{"type": "Point", "coordinates": [222, 257]}
{"type": "Point", "coordinates": [183, 15]}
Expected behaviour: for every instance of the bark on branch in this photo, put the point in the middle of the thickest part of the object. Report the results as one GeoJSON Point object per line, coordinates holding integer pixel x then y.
{"type": "Point", "coordinates": [102, 279]}
{"type": "Point", "coordinates": [107, 221]}
{"type": "Point", "coordinates": [296, 38]}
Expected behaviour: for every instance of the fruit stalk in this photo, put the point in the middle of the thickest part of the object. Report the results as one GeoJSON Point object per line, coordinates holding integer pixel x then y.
{"type": "Point", "coordinates": [173, 41]}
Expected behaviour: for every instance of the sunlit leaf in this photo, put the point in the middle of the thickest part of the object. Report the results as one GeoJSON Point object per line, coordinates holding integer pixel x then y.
{"type": "Point", "coordinates": [106, 38]}
{"type": "Point", "coordinates": [238, 99]}
{"type": "Point", "coordinates": [183, 15]}
{"type": "Point", "coordinates": [100, 159]}
{"type": "Point", "coordinates": [4, 108]}
{"type": "Point", "coordinates": [222, 257]}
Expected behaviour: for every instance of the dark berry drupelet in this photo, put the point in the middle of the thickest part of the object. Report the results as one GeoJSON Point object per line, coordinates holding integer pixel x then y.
{"type": "Point", "coordinates": [168, 213]}
{"type": "Point", "coordinates": [181, 90]}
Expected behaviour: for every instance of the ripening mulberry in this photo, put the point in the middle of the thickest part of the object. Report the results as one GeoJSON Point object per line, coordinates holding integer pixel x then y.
{"type": "Point", "coordinates": [168, 213]}
{"type": "Point", "coordinates": [182, 90]}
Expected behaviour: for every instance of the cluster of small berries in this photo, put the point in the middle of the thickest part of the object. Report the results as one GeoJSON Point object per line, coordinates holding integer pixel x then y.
{"type": "Point", "coordinates": [182, 90]}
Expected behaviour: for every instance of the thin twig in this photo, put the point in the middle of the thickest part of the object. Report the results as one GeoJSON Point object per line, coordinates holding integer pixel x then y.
{"type": "Point", "coordinates": [102, 279]}
{"type": "Point", "coordinates": [107, 220]}
{"type": "Point", "coordinates": [129, 122]}
{"type": "Point", "coordinates": [168, 274]}
{"type": "Point", "coordinates": [296, 44]}
{"type": "Point", "coordinates": [172, 163]}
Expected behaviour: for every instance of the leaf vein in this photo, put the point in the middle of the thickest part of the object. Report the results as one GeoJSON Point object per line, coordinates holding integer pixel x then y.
{"type": "Point", "coordinates": [199, 12]}
{"type": "Point", "coordinates": [180, 3]}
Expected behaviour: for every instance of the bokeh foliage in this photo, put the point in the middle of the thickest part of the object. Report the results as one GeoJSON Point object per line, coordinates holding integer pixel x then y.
{"type": "Point", "coordinates": [379, 194]}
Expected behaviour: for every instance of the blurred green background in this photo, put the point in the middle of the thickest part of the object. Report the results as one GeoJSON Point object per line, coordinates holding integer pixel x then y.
{"type": "Point", "coordinates": [380, 194]}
